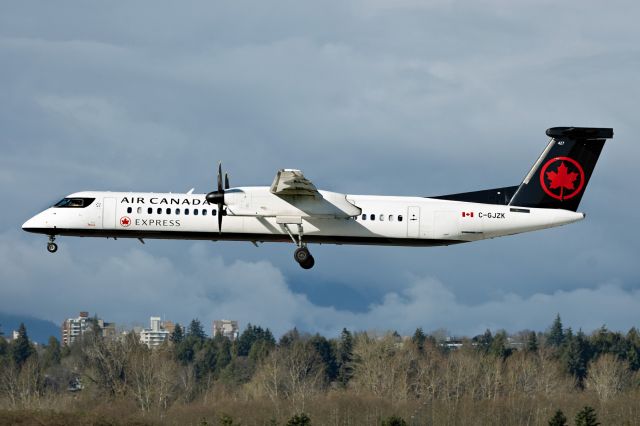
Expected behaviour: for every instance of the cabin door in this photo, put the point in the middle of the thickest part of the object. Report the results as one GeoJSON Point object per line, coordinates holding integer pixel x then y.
{"type": "Point", "coordinates": [413, 222]}
{"type": "Point", "coordinates": [109, 213]}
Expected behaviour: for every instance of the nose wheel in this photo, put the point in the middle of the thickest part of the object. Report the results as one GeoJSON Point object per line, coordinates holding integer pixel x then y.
{"type": "Point", "coordinates": [51, 246]}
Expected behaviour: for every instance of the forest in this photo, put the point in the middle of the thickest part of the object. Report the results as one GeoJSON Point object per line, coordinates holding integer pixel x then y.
{"type": "Point", "coordinates": [555, 377]}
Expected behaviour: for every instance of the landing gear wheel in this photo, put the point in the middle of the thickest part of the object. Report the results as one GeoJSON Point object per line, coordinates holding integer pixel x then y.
{"type": "Point", "coordinates": [52, 247]}
{"type": "Point", "coordinates": [308, 264]}
{"type": "Point", "coordinates": [301, 255]}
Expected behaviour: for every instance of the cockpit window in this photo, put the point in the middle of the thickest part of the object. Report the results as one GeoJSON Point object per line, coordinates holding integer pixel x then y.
{"type": "Point", "coordinates": [74, 202]}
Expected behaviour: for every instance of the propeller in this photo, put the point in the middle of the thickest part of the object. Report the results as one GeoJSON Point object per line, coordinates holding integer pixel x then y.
{"type": "Point", "coordinates": [217, 196]}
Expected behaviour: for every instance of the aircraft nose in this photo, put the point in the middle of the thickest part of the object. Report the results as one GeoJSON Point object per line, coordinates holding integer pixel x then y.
{"type": "Point", "coordinates": [36, 224]}
{"type": "Point", "coordinates": [29, 225]}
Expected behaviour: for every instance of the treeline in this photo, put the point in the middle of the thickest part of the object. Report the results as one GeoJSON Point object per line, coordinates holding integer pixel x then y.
{"type": "Point", "coordinates": [352, 379]}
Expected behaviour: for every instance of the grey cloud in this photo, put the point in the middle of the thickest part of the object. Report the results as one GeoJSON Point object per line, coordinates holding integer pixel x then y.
{"type": "Point", "coordinates": [409, 97]}
{"type": "Point", "coordinates": [136, 284]}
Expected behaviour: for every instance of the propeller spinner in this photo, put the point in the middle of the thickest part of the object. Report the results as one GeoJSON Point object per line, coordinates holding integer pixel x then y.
{"type": "Point", "coordinates": [217, 196]}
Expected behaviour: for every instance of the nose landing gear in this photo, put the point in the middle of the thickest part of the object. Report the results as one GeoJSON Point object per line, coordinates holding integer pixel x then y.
{"type": "Point", "coordinates": [51, 246]}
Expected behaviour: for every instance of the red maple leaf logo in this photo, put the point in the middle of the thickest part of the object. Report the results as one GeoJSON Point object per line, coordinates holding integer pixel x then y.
{"type": "Point", "coordinates": [562, 178]}
{"type": "Point", "coordinates": [125, 221]}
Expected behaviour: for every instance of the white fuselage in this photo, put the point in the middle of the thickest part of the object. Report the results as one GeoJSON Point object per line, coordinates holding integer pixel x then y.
{"type": "Point", "coordinates": [257, 215]}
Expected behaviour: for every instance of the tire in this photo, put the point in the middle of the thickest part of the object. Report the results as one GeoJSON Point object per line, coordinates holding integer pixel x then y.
{"type": "Point", "coordinates": [308, 264]}
{"type": "Point", "coordinates": [52, 247]}
{"type": "Point", "coordinates": [301, 255]}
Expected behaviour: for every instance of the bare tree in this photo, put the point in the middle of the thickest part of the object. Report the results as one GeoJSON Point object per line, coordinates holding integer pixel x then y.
{"type": "Point", "coordinates": [152, 378]}
{"type": "Point", "coordinates": [105, 362]}
{"type": "Point", "coordinates": [23, 386]}
{"type": "Point", "coordinates": [607, 376]}
{"type": "Point", "coordinates": [269, 378]}
{"type": "Point", "coordinates": [303, 372]}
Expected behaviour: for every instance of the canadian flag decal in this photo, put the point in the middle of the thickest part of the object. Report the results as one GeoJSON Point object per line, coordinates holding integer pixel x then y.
{"type": "Point", "coordinates": [467, 214]}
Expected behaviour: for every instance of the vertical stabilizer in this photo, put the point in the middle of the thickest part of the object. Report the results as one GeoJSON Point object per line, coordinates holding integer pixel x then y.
{"type": "Point", "coordinates": [560, 176]}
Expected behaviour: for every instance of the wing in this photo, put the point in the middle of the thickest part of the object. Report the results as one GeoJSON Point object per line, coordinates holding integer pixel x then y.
{"type": "Point", "coordinates": [292, 182]}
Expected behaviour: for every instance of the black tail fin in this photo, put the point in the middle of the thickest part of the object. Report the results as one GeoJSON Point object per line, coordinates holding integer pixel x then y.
{"type": "Point", "coordinates": [560, 176]}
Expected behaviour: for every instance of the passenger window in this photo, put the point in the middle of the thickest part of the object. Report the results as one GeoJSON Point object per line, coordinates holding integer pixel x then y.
{"type": "Point", "coordinates": [159, 210]}
{"type": "Point", "coordinates": [177, 211]}
{"type": "Point", "coordinates": [186, 211]}
{"type": "Point", "coordinates": [399, 218]}
{"type": "Point", "coordinates": [168, 211]}
{"type": "Point", "coordinates": [204, 212]}
{"type": "Point", "coordinates": [129, 210]}
{"type": "Point", "coordinates": [390, 218]}
{"type": "Point", "coordinates": [213, 212]}
{"type": "Point", "coordinates": [372, 217]}
{"type": "Point", "coordinates": [364, 217]}
{"type": "Point", "coordinates": [195, 212]}
{"type": "Point", "coordinates": [381, 218]}
{"type": "Point", "coordinates": [149, 210]}
{"type": "Point", "coordinates": [139, 210]}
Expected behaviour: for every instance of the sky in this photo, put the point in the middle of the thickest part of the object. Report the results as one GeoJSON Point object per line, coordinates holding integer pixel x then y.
{"type": "Point", "coordinates": [366, 97]}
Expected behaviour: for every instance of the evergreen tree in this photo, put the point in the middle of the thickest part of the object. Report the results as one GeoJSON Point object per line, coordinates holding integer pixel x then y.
{"type": "Point", "coordinates": [289, 337]}
{"type": "Point", "coordinates": [394, 421]}
{"type": "Point", "coordinates": [532, 342]}
{"type": "Point", "coordinates": [224, 354]}
{"type": "Point", "coordinates": [558, 419]}
{"type": "Point", "coordinates": [345, 357]}
{"type": "Point", "coordinates": [499, 345]}
{"type": "Point", "coordinates": [484, 341]}
{"type": "Point", "coordinates": [21, 348]}
{"type": "Point", "coordinates": [259, 351]}
{"type": "Point", "coordinates": [555, 336]}
{"type": "Point", "coordinates": [575, 356]}
{"type": "Point", "coordinates": [419, 338]}
{"type": "Point", "coordinates": [4, 348]}
{"type": "Point", "coordinates": [196, 330]}
{"type": "Point", "coordinates": [251, 335]}
{"type": "Point", "coordinates": [185, 351]}
{"type": "Point", "coordinates": [177, 335]}
{"type": "Point", "coordinates": [225, 420]}
{"type": "Point", "coordinates": [633, 349]}
{"type": "Point", "coordinates": [586, 417]}
{"type": "Point", "coordinates": [205, 361]}
{"type": "Point", "coordinates": [299, 420]}
{"type": "Point", "coordinates": [52, 352]}
{"type": "Point", "coordinates": [327, 354]}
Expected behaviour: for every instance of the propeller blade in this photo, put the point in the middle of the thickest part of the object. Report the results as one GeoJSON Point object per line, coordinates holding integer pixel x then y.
{"type": "Point", "coordinates": [220, 176]}
{"type": "Point", "coordinates": [226, 181]}
{"type": "Point", "coordinates": [220, 217]}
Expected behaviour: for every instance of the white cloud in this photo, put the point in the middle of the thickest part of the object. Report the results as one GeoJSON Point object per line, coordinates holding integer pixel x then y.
{"type": "Point", "coordinates": [134, 285]}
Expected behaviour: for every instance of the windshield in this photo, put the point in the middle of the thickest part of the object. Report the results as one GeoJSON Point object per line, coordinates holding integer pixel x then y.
{"type": "Point", "coordinates": [74, 202]}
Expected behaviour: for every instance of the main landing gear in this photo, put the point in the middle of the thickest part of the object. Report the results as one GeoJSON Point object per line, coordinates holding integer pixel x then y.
{"type": "Point", "coordinates": [302, 255]}
{"type": "Point", "coordinates": [304, 258]}
{"type": "Point", "coordinates": [51, 246]}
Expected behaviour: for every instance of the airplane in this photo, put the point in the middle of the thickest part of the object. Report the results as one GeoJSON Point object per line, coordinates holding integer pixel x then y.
{"type": "Point", "coordinates": [293, 210]}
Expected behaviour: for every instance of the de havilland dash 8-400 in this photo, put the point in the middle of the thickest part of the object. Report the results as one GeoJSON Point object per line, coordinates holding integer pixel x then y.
{"type": "Point", "coordinates": [293, 210]}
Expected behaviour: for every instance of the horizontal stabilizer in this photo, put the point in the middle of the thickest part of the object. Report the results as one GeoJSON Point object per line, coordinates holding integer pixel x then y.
{"type": "Point", "coordinates": [486, 196]}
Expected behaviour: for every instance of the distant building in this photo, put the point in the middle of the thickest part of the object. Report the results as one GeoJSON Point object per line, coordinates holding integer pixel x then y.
{"type": "Point", "coordinates": [227, 328]}
{"type": "Point", "coordinates": [72, 328]}
{"type": "Point", "coordinates": [169, 326]}
{"type": "Point", "coordinates": [156, 335]}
